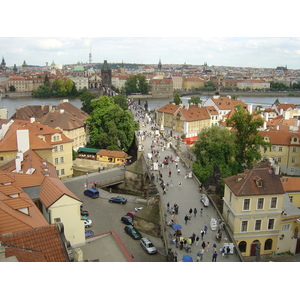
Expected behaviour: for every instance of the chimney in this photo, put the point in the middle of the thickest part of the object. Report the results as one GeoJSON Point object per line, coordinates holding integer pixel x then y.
{"type": "Point", "coordinates": [250, 108]}
{"type": "Point", "coordinates": [18, 162]}
{"type": "Point", "coordinates": [32, 120]}
{"type": "Point", "coordinates": [78, 255]}
{"type": "Point", "coordinates": [23, 140]}
{"type": "Point", "coordinates": [61, 111]}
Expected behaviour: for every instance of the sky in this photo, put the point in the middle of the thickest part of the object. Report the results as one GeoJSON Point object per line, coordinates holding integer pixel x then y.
{"type": "Point", "coordinates": [256, 35]}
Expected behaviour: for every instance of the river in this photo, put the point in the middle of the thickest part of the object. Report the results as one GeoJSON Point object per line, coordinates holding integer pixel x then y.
{"type": "Point", "coordinates": [13, 104]}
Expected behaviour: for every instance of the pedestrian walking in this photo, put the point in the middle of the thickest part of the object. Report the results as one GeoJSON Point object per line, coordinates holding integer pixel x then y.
{"type": "Point", "coordinates": [199, 254]}
{"type": "Point", "coordinates": [176, 242]}
{"type": "Point", "coordinates": [203, 245]}
{"type": "Point", "coordinates": [227, 251]}
{"type": "Point", "coordinates": [186, 219]}
{"type": "Point", "coordinates": [214, 257]}
{"type": "Point", "coordinates": [193, 237]}
{"type": "Point", "coordinates": [171, 183]}
{"type": "Point", "coordinates": [201, 211]}
{"type": "Point", "coordinates": [214, 247]}
{"type": "Point", "coordinates": [189, 241]}
{"type": "Point", "coordinates": [195, 212]}
{"type": "Point", "coordinates": [179, 184]}
{"type": "Point", "coordinates": [178, 171]}
{"type": "Point", "coordinates": [170, 173]}
{"type": "Point", "coordinates": [190, 211]}
{"type": "Point", "coordinates": [168, 207]}
{"type": "Point", "coordinates": [197, 240]}
{"type": "Point", "coordinates": [175, 254]}
{"type": "Point", "coordinates": [223, 252]}
{"type": "Point", "coordinates": [207, 246]}
{"type": "Point", "coordinates": [190, 218]}
{"type": "Point", "coordinates": [176, 165]}
{"type": "Point", "coordinates": [202, 234]}
{"type": "Point", "coordinates": [205, 229]}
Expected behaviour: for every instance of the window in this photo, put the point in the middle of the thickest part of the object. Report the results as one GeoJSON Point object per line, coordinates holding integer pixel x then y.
{"type": "Point", "coordinates": [286, 227]}
{"type": "Point", "coordinates": [294, 149]}
{"type": "Point", "coordinates": [243, 246]}
{"type": "Point", "coordinates": [257, 225]}
{"type": "Point", "coordinates": [56, 161]}
{"type": "Point", "coordinates": [291, 198]}
{"type": "Point", "coordinates": [273, 202]}
{"type": "Point", "coordinates": [279, 159]}
{"type": "Point", "coordinates": [61, 147]}
{"type": "Point", "coordinates": [1, 158]}
{"type": "Point", "coordinates": [62, 171]}
{"type": "Point", "coordinates": [55, 148]}
{"type": "Point", "coordinates": [268, 244]}
{"type": "Point", "coordinates": [260, 203]}
{"type": "Point", "coordinates": [62, 160]}
{"type": "Point", "coordinates": [246, 205]}
{"type": "Point", "coordinates": [271, 224]}
{"type": "Point", "coordinates": [273, 148]}
{"type": "Point", "coordinates": [244, 226]}
{"type": "Point", "coordinates": [293, 159]}
{"type": "Point", "coordinates": [280, 149]}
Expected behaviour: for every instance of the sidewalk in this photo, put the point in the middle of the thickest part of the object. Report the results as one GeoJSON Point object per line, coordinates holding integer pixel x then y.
{"type": "Point", "coordinates": [186, 196]}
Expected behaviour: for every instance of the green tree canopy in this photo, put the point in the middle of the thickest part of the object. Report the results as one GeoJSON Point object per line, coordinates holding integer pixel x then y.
{"type": "Point", "coordinates": [86, 99]}
{"type": "Point", "coordinates": [214, 145]}
{"type": "Point", "coordinates": [195, 100]}
{"type": "Point", "coordinates": [110, 126]}
{"type": "Point", "coordinates": [176, 99]}
{"type": "Point", "coordinates": [248, 139]}
{"type": "Point", "coordinates": [136, 84]}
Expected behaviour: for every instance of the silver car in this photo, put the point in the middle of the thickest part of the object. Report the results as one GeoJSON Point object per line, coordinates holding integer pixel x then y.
{"type": "Point", "coordinates": [147, 245]}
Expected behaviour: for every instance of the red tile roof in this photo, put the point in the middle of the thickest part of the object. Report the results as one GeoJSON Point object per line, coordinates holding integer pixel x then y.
{"type": "Point", "coordinates": [111, 153]}
{"type": "Point", "coordinates": [41, 244]}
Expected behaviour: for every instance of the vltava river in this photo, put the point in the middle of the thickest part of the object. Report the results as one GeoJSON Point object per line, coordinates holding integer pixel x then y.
{"type": "Point", "coordinates": [13, 104]}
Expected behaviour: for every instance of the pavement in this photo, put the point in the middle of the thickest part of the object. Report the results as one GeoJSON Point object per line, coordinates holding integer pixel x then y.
{"type": "Point", "coordinates": [185, 196]}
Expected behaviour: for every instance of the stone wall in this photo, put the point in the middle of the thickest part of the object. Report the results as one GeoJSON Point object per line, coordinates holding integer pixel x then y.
{"type": "Point", "coordinates": [92, 165]}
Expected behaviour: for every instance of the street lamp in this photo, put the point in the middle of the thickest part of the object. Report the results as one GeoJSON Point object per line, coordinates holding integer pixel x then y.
{"type": "Point", "coordinates": [228, 211]}
{"type": "Point", "coordinates": [86, 179]}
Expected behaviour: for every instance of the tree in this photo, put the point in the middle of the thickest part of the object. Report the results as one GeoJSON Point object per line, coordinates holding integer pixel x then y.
{"type": "Point", "coordinates": [86, 99]}
{"type": "Point", "coordinates": [195, 100]}
{"type": "Point", "coordinates": [110, 126]}
{"type": "Point", "coordinates": [121, 100]}
{"type": "Point", "coordinates": [136, 84]}
{"type": "Point", "coordinates": [248, 139]}
{"type": "Point", "coordinates": [214, 145]}
{"type": "Point", "coordinates": [176, 99]}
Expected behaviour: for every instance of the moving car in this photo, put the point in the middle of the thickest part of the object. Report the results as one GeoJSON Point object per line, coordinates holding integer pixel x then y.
{"type": "Point", "coordinates": [204, 200]}
{"type": "Point", "coordinates": [147, 245]}
{"type": "Point", "coordinates": [118, 199]}
{"type": "Point", "coordinates": [127, 220]}
{"type": "Point", "coordinates": [93, 193]}
{"type": "Point", "coordinates": [87, 223]}
{"type": "Point", "coordinates": [134, 233]}
{"type": "Point", "coordinates": [89, 233]}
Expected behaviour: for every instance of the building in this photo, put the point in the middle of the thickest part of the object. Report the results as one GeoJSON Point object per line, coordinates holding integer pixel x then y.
{"type": "Point", "coordinates": [161, 88]}
{"type": "Point", "coordinates": [116, 157]}
{"type": "Point", "coordinates": [252, 206]}
{"type": "Point", "coordinates": [65, 116]}
{"type": "Point", "coordinates": [252, 84]}
{"type": "Point", "coordinates": [51, 144]}
{"type": "Point", "coordinates": [191, 83]}
{"type": "Point", "coordinates": [106, 75]}
{"type": "Point", "coordinates": [285, 150]}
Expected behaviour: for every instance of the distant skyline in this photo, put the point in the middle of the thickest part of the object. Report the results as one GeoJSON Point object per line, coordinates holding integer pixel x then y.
{"type": "Point", "coordinates": [257, 52]}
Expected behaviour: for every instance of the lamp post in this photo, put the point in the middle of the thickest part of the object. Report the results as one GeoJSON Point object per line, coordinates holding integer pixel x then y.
{"type": "Point", "coordinates": [86, 179]}
{"type": "Point", "coordinates": [228, 211]}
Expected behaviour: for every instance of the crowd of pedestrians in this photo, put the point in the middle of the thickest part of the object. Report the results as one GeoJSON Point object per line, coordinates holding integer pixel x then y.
{"type": "Point", "coordinates": [170, 175]}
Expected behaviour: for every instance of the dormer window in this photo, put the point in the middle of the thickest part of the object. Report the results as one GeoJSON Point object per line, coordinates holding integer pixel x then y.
{"type": "Point", "coordinates": [258, 181]}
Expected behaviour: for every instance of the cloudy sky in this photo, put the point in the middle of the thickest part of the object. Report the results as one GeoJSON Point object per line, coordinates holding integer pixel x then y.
{"type": "Point", "coordinates": [218, 35]}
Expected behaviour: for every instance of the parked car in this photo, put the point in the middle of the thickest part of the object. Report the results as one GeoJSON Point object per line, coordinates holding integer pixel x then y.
{"type": "Point", "coordinates": [204, 200]}
{"type": "Point", "coordinates": [138, 208]}
{"type": "Point", "coordinates": [127, 220]}
{"type": "Point", "coordinates": [134, 233]}
{"type": "Point", "coordinates": [84, 213]}
{"type": "Point", "coordinates": [89, 233]}
{"type": "Point", "coordinates": [131, 214]}
{"type": "Point", "coordinates": [93, 193]}
{"type": "Point", "coordinates": [147, 245]}
{"type": "Point", "coordinates": [118, 199]}
{"type": "Point", "coordinates": [87, 223]}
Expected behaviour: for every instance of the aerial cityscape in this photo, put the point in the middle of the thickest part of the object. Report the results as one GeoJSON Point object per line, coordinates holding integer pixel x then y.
{"type": "Point", "coordinates": [141, 158]}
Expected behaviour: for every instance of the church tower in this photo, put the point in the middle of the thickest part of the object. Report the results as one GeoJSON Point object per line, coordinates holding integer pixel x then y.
{"type": "Point", "coordinates": [90, 55]}
{"type": "Point", "coordinates": [159, 73]}
{"type": "Point", "coordinates": [3, 65]}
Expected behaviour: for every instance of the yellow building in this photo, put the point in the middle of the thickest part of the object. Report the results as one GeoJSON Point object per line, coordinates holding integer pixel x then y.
{"type": "Point", "coordinates": [192, 83]}
{"type": "Point", "coordinates": [49, 143]}
{"type": "Point", "coordinates": [188, 120]}
{"type": "Point", "coordinates": [285, 150]}
{"type": "Point", "coordinates": [116, 157]}
{"type": "Point", "coordinates": [252, 207]}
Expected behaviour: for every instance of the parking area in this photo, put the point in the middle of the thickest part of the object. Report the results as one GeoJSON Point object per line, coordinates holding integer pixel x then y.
{"type": "Point", "coordinates": [106, 217]}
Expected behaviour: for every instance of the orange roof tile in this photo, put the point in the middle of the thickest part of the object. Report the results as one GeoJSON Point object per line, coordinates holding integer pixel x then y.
{"type": "Point", "coordinates": [111, 153]}
{"type": "Point", "coordinates": [291, 184]}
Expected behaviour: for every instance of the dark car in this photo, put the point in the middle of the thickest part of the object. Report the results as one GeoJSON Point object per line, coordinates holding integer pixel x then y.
{"type": "Point", "coordinates": [127, 220]}
{"type": "Point", "coordinates": [84, 213]}
{"type": "Point", "coordinates": [118, 199]}
{"type": "Point", "coordinates": [134, 233]}
{"type": "Point", "coordinates": [89, 233]}
{"type": "Point", "coordinates": [93, 193]}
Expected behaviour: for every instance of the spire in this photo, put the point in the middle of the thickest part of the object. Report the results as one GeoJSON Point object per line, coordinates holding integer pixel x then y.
{"type": "Point", "coordinates": [159, 65]}
{"type": "Point", "coordinates": [90, 55]}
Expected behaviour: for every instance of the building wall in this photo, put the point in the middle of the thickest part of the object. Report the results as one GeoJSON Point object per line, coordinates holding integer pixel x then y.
{"type": "Point", "coordinates": [62, 159]}
{"type": "Point", "coordinates": [68, 210]}
{"type": "Point", "coordinates": [236, 217]}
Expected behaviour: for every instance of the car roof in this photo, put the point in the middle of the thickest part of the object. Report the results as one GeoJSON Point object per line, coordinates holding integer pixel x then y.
{"type": "Point", "coordinates": [92, 190]}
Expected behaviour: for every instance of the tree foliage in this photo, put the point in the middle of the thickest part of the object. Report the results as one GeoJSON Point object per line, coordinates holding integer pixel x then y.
{"type": "Point", "coordinates": [195, 100]}
{"type": "Point", "coordinates": [110, 126]}
{"type": "Point", "coordinates": [214, 145]}
{"type": "Point", "coordinates": [86, 99]}
{"type": "Point", "coordinates": [248, 139]}
{"type": "Point", "coordinates": [176, 99]}
{"type": "Point", "coordinates": [136, 84]}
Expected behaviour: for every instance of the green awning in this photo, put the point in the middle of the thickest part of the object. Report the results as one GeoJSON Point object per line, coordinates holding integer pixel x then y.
{"type": "Point", "coordinates": [88, 150]}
